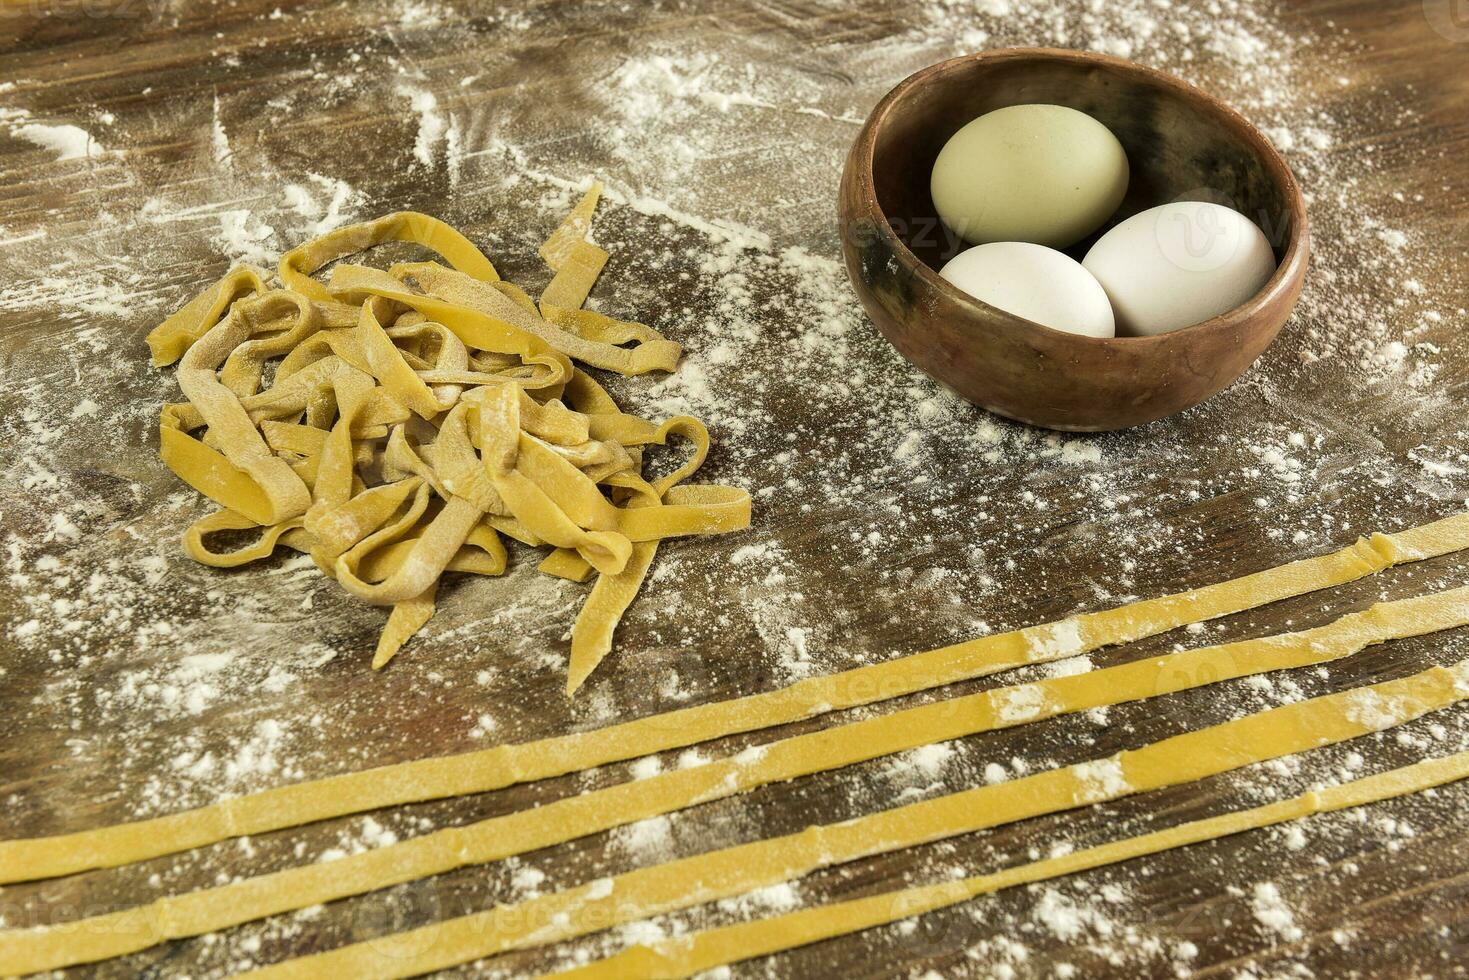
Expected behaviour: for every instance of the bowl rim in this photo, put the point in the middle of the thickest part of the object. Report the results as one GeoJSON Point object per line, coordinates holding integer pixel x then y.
{"type": "Point", "coordinates": [1288, 270]}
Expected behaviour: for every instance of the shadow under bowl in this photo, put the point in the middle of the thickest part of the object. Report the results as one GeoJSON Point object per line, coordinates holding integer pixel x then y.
{"type": "Point", "coordinates": [1181, 143]}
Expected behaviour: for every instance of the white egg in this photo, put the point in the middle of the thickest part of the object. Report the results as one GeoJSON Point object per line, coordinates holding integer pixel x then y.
{"type": "Point", "coordinates": [1029, 173]}
{"type": "Point", "coordinates": [1179, 264]}
{"type": "Point", "coordinates": [1035, 282]}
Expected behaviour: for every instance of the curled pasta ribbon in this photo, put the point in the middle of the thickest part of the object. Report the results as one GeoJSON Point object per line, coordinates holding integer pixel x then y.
{"type": "Point", "coordinates": [424, 562]}
{"type": "Point", "coordinates": [225, 520]}
{"type": "Point", "coordinates": [173, 336]}
{"type": "Point", "coordinates": [529, 500]}
{"type": "Point", "coordinates": [244, 474]}
{"type": "Point", "coordinates": [298, 264]}
{"type": "Point", "coordinates": [589, 342]}
{"type": "Point", "coordinates": [573, 282]}
{"type": "Point", "coordinates": [416, 414]}
{"type": "Point", "coordinates": [591, 635]}
{"type": "Point", "coordinates": [573, 229]}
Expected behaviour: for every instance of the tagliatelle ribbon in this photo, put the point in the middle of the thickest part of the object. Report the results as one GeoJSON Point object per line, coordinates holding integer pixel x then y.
{"type": "Point", "coordinates": [692, 953]}
{"type": "Point", "coordinates": [173, 336]}
{"type": "Point", "coordinates": [1258, 737]}
{"type": "Point", "coordinates": [584, 340]}
{"type": "Point", "coordinates": [733, 871]}
{"type": "Point", "coordinates": [297, 265]}
{"type": "Point", "coordinates": [367, 448]}
{"type": "Point", "coordinates": [509, 764]}
{"type": "Point", "coordinates": [573, 282]}
{"type": "Point", "coordinates": [574, 228]}
{"type": "Point", "coordinates": [276, 493]}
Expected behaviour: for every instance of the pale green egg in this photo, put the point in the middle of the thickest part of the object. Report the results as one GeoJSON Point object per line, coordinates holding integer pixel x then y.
{"type": "Point", "coordinates": [1029, 173]}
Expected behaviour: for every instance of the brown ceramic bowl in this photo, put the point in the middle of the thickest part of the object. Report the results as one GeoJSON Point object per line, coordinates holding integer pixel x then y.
{"type": "Point", "coordinates": [1182, 144]}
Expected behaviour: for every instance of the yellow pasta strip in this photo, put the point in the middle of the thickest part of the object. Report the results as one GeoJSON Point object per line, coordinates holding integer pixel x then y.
{"type": "Point", "coordinates": [174, 336]}
{"type": "Point", "coordinates": [401, 459]}
{"type": "Point", "coordinates": [473, 327]}
{"type": "Point", "coordinates": [283, 493]}
{"type": "Point", "coordinates": [577, 816]}
{"type": "Point", "coordinates": [226, 521]}
{"type": "Point", "coordinates": [386, 363]}
{"type": "Point", "coordinates": [573, 229]}
{"type": "Point", "coordinates": [591, 635]}
{"type": "Point", "coordinates": [407, 618]}
{"type": "Point", "coordinates": [567, 564]}
{"type": "Point", "coordinates": [573, 282]}
{"type": "Point", "coordinates": [208, 471]}
{"type": "Point", "coordinates": [399, 527]}
{"type": "Point", "coordinates": [367, 350]}
{"type": "Point", "coordinates": [300, 386]}
{"type": "Point", "coordinates": [307, 441]}
{"type": "Point", "coordinates": [459, 467]}
{"type": "Point", "coordinates": [577, 501]}
{"type": "Point", "coordinates": [337, 469]}
{"type": "Point", "coordinates": [482, 554]}
{"type": "Point", "coordinates": [529, 500]}
{"type": "Point", "coordinates": [606, 551]}
{"type": "Point", "coordinates": [733, 871]}
{"type": "Point", "coordinates": [244, 368]}
{"type": "Point", "coordinates": [685, 955]}
{"type": "Point", "coordinates": [652, 352]}
{"type": "Point", "coordinates": [297, 265]}
{"type": "Point", "coordinates": [504, 765]}
{"type": "Point", "coordinates": [338, 527]}
{"type": "Point", "coordinates": [425, 562]}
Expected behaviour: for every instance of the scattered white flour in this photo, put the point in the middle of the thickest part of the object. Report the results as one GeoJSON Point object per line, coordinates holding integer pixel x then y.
{"type": "Point", "coordinates": [416, 14]}
{"type": "Point", "coordinates": [645, 767]}
{"type": "Point", "coordinates": [1022, 703]}
{"type": "Point", "coordinates": [219, 140]}
{"type": "Point", "coordinates": [648, 85]}
{"type": "Point", "coordinates": [97, 294]}
{"type": "Point", "coordinates": [431, 124]}
{"type": "Point", "coordinates": [1067, 919]}
{"type": "Point", "coordinates": [691, 758]}
{"type": "Point", "coordinates": [244, 237]}
{"type": "Point", "coordinates": [325, 201]}
{"type": "Point", "coordinates": [770, 900]}
{"type": "Point", "coordinates": [721, 167]}
{"type": "Point", "coordinates": [1069, 667]}
{"type": "Point", "coordinates": [646, 839]}
{"type": "Point", "coordinates": [751, 755]}
{"type": "Point", "coordinates": [1272, 911]}
{"type": "Point", "coordinates": [1102, 779]}
{"type": "Point", "coordinates": [528, 880]}
{"type": "Point", "coordinates": [68, 142]}
{"type": "Point", "coordinates": [930, 760]}
{"type": "Point", "coordinates": [1367, 707]}
{"type": "Point", "coordinates": [1052, 641]}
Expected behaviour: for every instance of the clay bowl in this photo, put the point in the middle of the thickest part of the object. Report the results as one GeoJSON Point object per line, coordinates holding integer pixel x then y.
{"type": "Point", "coordinates": [1182, 144]}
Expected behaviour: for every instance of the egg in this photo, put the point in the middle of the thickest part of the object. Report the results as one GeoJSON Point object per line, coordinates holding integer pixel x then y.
{"type": "Point", "coordinates": [1035, 282]}
{"type": "Point", "coordinates": [1179, 264]}
{"type": "Point", "coordinates": [1032, 173]}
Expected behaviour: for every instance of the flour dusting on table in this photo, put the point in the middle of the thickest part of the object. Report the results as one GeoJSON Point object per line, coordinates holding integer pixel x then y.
{"type": "Point", "coordinates": [151, 683]}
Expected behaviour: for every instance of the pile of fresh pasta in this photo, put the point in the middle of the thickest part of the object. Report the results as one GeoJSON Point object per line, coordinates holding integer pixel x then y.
{"type": "Point", "coordinates": [395, 424]}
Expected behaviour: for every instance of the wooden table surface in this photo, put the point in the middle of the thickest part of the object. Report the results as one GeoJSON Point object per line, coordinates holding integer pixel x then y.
{"type": "Point", "coordinates": [889, 517]}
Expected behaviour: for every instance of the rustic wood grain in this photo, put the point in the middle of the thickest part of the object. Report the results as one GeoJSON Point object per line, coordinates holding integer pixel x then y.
{"type": "Point", "coordinates": [1365, 908]}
